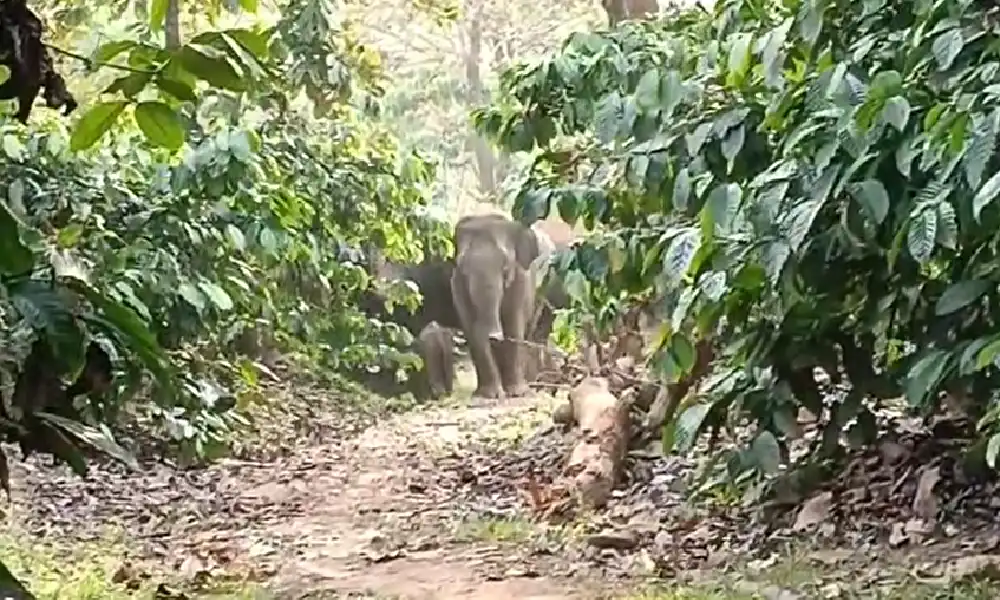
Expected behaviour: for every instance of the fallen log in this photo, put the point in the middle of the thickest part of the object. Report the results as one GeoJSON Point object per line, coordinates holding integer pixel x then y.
{"type": "Point", "coordinates": [595, 464]}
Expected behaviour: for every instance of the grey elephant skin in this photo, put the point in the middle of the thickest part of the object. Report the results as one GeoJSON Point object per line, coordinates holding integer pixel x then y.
{"type": "Point", "coordinates": [436, 347]}
{"type": "Point", "coordinates": [433, 279]}
{"type": "Point", "coordinates": [493, 286]}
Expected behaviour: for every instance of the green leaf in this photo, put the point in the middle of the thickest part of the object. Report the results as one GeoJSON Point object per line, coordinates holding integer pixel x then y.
{"type": "Point", "coordinates": [873, 198]}
{"type": "Point", "coordinates": [4, 74]}
{"type": "Point", "coordinates": [236, 237]}
{"type": "Point", "coordinates": [739, 59]}
{"type": "Point", "coordinates": [96, 438]}
{"type": "Point", "coordinates": [924, 376]}
{"type": "Point", "coordinates": [108, 51]}
{"type": "Point", "coordinates": [217, 70]}
{"type": "Point", "coordinates": [992, 450]}
{"type": "Point", "coordinates": [160, 124]}
{"type": "Point", "coordinates": [122, 322]}
{"type": "Point", "coordinates": [189, 292]}
{"type": "Point", "coordinates": [946, 48]}
{"type": "Point", "coordinates": [217, 295]}
{"type": "Point", "coordinates": [922, 234]}
{"type": "Point", "coordinates": [178, 89]}
{"type": "Point", "coordinates": [13, 147]}
{"type": "Point", "coordinates": [680, 254]}
{"type": "Point", "coordinates": [896, 112]}
{"type": "Point", "coordinates": [947, 225]}
{"type": "Point", "coordinates": [15, 257]}
{"type": "Point", "coordinates": [647, 92]}
{"type": "Point", "coordinates": [94, 124]}
{"type": "Point", "coordinates": [766, 452]}
{"type": "Point", "coordinates": [988, 355]}
{"type": "Point", "coordinates": [732, 144]}
{"type": "Point", "coordinates": [683, 352]}
{"type": "Point", "coordinates": [249, 5]}
{"type": "Point", "coordinates": [986, 195]}
{"type": "Point", "coordinates": [44, 307]}
{"type": "Point", "coordinates": [722, 205]}
{"type": "Point", "coordinates": [959, 295]}
{"type": "Point", "coordinates": [810, 20]}
{"type": "Point", "coordinates": [576, 286]}
{"type": "Point", "coordinates": [688, 426]}
{"type": "Point", "coordinates": [129, 85]}
{"type": "Point", "coordinates": [157, 14]}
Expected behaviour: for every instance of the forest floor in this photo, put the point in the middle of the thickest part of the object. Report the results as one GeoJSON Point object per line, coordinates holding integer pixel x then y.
{"type": "Point", "coordinates": [424, 504]}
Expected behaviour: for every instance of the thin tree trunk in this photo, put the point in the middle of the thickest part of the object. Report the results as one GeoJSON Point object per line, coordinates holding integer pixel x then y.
{"type": "Point", "coordinates": [486, 162]}
{"type": "Point", "coordinates": [172, 24]}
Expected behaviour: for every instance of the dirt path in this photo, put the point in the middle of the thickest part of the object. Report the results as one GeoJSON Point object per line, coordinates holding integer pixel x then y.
{"type": "Point", "coordinates": [375, 519]}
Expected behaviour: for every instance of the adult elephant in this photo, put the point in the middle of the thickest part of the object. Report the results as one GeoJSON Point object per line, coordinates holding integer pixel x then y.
{"type": "Point", "coordinates": [494, 288]}
{"type": "Point", "coordinates": [433, 278]}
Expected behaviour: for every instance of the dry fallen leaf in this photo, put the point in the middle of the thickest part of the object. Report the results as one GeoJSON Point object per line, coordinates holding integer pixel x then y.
{"type": "Point", "coordinates": [980, 567]}
{"type": "Point", "coordinates": [814, 511]}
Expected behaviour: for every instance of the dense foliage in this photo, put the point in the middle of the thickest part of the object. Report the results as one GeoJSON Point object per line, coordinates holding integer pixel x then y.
{"type": "Point", "coordinates": [807, 183]}
{"type": "Point", "coordinates": [158, 257]}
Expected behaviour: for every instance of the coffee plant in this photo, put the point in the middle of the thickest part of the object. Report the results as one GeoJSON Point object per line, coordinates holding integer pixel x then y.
{"type": "Point", "coordinates": [153, 261]}
{"type": "Point", "coordinates": [805, 183]}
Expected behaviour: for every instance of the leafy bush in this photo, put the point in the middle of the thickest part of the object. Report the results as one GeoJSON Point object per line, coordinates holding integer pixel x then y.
{"type": "Point", "coordinates": [808, 183]}
{"type": "Point", "coordinates": [212, 226]}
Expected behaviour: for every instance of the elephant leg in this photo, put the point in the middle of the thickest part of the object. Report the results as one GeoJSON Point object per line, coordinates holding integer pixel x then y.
{"type": "Point", "coordinates": [432, 368]}
{"type": "Point", "coordinates": [516, 313]}
{"type": "Point", "coordinates": [478, 337]}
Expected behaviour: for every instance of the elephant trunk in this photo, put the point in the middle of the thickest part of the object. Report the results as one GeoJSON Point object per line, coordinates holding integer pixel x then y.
{"type": "Point", "coordinates": [484, 288]}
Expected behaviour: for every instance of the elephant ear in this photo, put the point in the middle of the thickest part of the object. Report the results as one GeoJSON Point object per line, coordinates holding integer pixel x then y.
{"type": "Point", "coordinates": [544, 248]}
{"type": "Point", "coordinates": [526, 245]}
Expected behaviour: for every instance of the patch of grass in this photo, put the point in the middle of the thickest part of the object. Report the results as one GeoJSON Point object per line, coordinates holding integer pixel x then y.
{"type": "Point", "coordinates": [686, 594]}
{"type": "Point", "coordinates": [497, 530]}
{"type": "Point", "coordinates": [87, 571]}
{"type": "Point", "coordinates": [83, 572]}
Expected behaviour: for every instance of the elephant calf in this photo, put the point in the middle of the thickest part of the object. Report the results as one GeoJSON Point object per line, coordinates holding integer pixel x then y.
{"type": "Point", "coordinates": [436, 346]}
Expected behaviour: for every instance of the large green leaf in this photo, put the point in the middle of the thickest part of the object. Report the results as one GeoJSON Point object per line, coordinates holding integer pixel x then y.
{"type": "Point", "coordinates": [873, 198]}
{"type": "Point", "coordinates": [688, 426]}
{"type": "Point", "coordinates": [157, 13]}
{"type": "Point", "coordinates": [15, 257]}
{"type": "Point", "coordinates": [946, 48]}
{"type": "Point", "coordinates": [986, 195]}
{"type": "Point", "coordinates": [922, 235]}
{"type": "Point", "coordinates": [50, 311]}
{"type": "Point", "coordinates": [121, 321]}
{"type": "Point", "coordinates": [160, 124]}
{"type": "Point", "coordinates": [100, 439]}
{"type": "Point", "coordinates": [95, 123]}
{"type": "Point", "coordinates": [212, 67]}
{"type": "Point", "coordinates": [959, 295]}
{"type": "Point", "coordinates": [925, 375]}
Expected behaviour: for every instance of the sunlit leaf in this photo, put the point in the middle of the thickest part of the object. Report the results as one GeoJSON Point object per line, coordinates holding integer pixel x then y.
{"type": "Point", "coordinates": [94, 124]}
{"type": "Point", "coordinates": [160, 124]}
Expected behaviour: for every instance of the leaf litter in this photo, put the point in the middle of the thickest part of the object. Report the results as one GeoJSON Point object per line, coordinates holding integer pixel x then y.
{"type": "Point", "coordinates": [333, 499]}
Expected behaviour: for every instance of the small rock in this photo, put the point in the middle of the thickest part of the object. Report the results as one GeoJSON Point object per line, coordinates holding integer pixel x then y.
{"type": "Point", "coordinates": [618, 540]}
{"type": "Point", "coordinates": [814, 511]}
{"type": "Point", "coordinates": [663, 541]}
{"type": "Point", "coordinates": [898, 537]}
